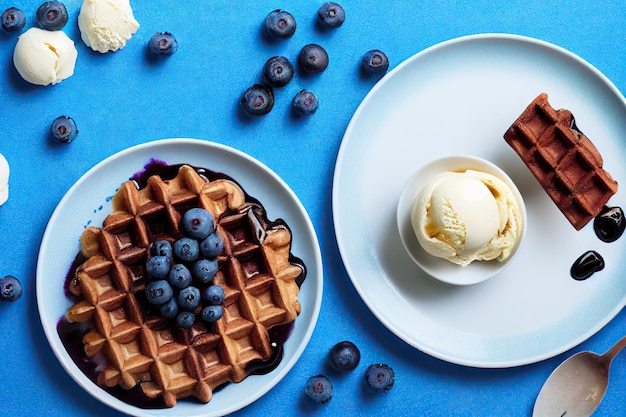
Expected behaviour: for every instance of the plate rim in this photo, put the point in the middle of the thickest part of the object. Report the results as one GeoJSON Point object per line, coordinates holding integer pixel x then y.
{"type": "Point", "coordinates": [492, 36]}
{"type": "Point", "coordinates": [314, 275]}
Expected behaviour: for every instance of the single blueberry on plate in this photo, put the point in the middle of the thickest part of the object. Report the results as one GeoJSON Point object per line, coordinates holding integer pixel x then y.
{"type": "Point", "coordinates": [63, 129]}
{"type": "Point", "coordinates": [161, 248]}
{"type": "Point", "coordinates": [159, 292]}
{"type": "Point", "coordinates": [158, 266]}
{"type": "Point", "coordinates": [163, 43]}
{"type": "Point", "coordinates": [213, 294]}
{"type": "Point", "coordinates": [169, 310]}
{"type": "Point", "coordinates": [344, 356]}
{"type": "Point", "coordinates": [305, 103]}
{"type": "Point", "coordinates": [257, 100]}
{"type": "Point", "coordinates": [379, 377]}
{"type": "Point", "coordinates": [313, 58]}
{"type": "Point", "coordinates": [280, 24]}
{"type": "Point", "coordinates": [13, 19]}
{"type": "Point", "coordinates": [197, 223]}
{"type": "Point", "coordinates": [331, 15]}
{"type": "Point", "coordinates": [179, 276]}
{"type": "Point", "coordinates": [211, 313]}
{"type": "Point", "coordinates": [188, 298]}
{"type": "Point", "coordinates": [204, 270]}
{"type": "Point", "coordinates": [185, 319]}
{"type": "Point", "coordinates": [319, 388]}
{"type": "Point", "coordinates": [52, 15]}
{"type": "Point", "coordinates": [212, 246]}
{"type": "Point", "coordinates": [186, 249]}
{"type": "Point", "coordinates": [375, 62]}
{"type": "Point", "coordinates": [277, 71]}
{"type": "Point", "coordinates": [10, 288]}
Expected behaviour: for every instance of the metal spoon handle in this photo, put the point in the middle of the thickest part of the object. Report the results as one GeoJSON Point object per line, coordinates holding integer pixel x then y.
{"type": "Point", "coordinates": [614, 350]}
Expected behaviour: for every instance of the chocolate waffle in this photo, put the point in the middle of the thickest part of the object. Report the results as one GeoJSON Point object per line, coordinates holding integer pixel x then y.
{"type": "Point", "coordinates": [257, 271]}
{"type": "Point", "coordinates": [564, 161]}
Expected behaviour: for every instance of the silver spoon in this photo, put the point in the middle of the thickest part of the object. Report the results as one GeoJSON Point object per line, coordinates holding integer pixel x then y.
{"type": "Point", "coordinates": [576, 387]}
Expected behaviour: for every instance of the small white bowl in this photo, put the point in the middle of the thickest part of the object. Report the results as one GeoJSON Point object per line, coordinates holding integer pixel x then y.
{"type": "Point", "coordinates": [441, 269]}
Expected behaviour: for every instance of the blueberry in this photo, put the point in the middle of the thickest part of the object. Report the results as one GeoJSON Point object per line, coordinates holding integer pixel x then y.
{"type": "Point", "coordinates": [313, 58]}
{"type": "Point", "coordinates": [211, 313]}
{"type": "Point", "coordinates": [179, 276]}
{"type": "Point", "coordinates": [10, 288]}
{"type": "Point", "coordinates": [277, 71]}
{"type": "Point", "coordinates": [375, 62]}
{"type": "Point", "coordinates": [186, 249]}
{"type": "Point", "coordinates": [13, 19]}
{"type": "Point", "coordinates": [305, 103]}
{"type": "Point", "coordinates": [188, 298]}
{"type": "Point", "coordinates": [213, 294]}
{"type": "Point", "coordinates": [163, 43]}
{"type": "Point", "coordinates": [161, 248]}
{"type": "Point", "coordinates": [169, 310]}
{"type": "Point", "coordinates": [212, 246]}
{"type": "Point", "coordinates": [344, 356]}
{"type": "Point", "coordinates": [331, 15]}
{"type": "Point", "coordinates": [52, 15]}
{"type": "Point", "coordinates": [257, 100]}
{"type": "Point", "coordinates": [158, 266]}
{"type": "Point", "coordinates": [204, 270]}
{"type": "Point", "coordinates": [280, 24]}
{"type": "Point", "coordinates": [319, 388]}
{"type": "Point", "coordinates": [379, 377]}
{"type": "Point", "coordinates": [159, 292]}
{"type": "Point", "coordinates": [185, 319]}
{"type": "Point", "coordinates": [609, 224]}
{"type": "Point", "coordinates": [64, 129]}
{"type": "Point", "coordinates": [197, 223]}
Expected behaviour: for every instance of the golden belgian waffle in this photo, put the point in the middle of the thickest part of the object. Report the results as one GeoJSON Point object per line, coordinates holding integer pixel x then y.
{"type": "Point", "coordinates": [255, 271]}
{"type": "Point", "coordinates": [564, 161]}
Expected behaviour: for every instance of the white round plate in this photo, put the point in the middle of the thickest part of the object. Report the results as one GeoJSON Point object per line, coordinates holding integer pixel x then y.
{"type": "Point", "coordinates": [88, 202]}
{"type": "Point", "coordinates": [459, 97]}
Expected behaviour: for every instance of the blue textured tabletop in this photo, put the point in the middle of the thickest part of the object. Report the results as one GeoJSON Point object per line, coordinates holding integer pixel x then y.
{"type": "Point", "coordinates": [125, 98]}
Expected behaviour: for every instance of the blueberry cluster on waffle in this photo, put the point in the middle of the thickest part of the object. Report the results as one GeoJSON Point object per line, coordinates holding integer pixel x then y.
{"type": "Point", "coordinates": [564, 161]}
{"type": "Point", "coordinates": [259, 275]}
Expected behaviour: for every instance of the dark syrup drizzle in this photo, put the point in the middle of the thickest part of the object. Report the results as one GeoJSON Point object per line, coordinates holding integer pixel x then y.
{"type": "Point", "coordinates": [71, 334]}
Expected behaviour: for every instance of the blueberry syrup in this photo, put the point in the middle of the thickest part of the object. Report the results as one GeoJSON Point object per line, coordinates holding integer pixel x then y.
{"type": "Point", "coordinates": [609, 225]}
{"type": "Point", "coordinates": [586, 265]}
{"type": "Point", "coordinates": [71, 334]}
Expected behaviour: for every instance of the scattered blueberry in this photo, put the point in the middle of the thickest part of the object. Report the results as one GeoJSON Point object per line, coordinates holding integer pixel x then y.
{"type": "Point", "coordinates": [345, 356]}
{"type": "Point", "coordinates": [313, 58]}
{"type": "Point", "coordinates": [10, 288]}
{"type": "Point", "coordinates": [257, 100]}
{"type": "Point", "coordinates": [204, 270]}
{"type": "Point", "coordinates": [305, 103]}
{"type": "Point", "coordinates": [13, 19]}
{"type": "Point", "coordinates": [211, 313]}
{"type": "Point", "coordinates": [169, 310]}
{"type": "Point", "coordinates": [609, 224]}
{"type": "Point", "coordinates": [280, 24]}
{"type": "Point", "coordinates": [188, 298]}
{"type": "Point", "coordinates": [52, 15]}
{"type": "Point", "coordinates": [277, 71]}
{"type": "Point", "coordinates": [212, 246]}
{"type": "Point", "coordinates": [331, 15]}
{"type": "Point", "coordinates": [163, 43]}
{"type": "Point", "coordinates": [319, 388]}
{"type": "Point", "coordinates": [213, 294]}
{"type": "Point", "coordinates": [179, 276]}
{"type": "Point", "coordinates": [185, 319]}
{"type": "Point", "coordinates": [197, 223]}
{"type": "Point", "coordinates": [379, 377]}
{"type": "Point", "coordinates": [159, 292]}
{"type": "Point", "coordinates": [161, 248]}
{"type": "Point", "coordinates": [375, 62]}
{"type": "Point", "coordinates": [158, 266]}
{"type": "Point", "coordinates": [186, 249]}
{"type": "Point", "coordinates": [64, 129]}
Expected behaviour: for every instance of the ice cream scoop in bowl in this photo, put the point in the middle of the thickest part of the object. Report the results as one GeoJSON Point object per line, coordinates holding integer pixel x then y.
{"type": "Point", "coordinates": [461, 219]}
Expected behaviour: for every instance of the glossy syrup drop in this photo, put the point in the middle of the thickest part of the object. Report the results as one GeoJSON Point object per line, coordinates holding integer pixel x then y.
{"type": "Point", "coordinates": [609, 225]}
{"type": "Point", "coordinates": [586, 265]}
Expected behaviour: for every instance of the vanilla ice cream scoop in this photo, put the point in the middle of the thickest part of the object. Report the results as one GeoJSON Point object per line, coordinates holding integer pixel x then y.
{"type": "Point", "coordinates": [466, 216]}
{"type": "Point", "coordinates": [4, 180]}
{"type": "Point", "coordinates": [44, 57]}
{"type": "Point", "coordinates": [106, 25]}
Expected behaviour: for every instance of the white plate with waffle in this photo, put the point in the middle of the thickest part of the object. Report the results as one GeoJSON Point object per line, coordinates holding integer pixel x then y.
{"type": "Point", "coordinates": [88, 202]}
{"type": "Point", "coordinates": [460, 97]}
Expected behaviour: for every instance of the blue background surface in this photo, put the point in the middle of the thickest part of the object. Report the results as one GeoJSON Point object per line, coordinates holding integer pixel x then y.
{"type": "Point", "coordinates": [122, 99]}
